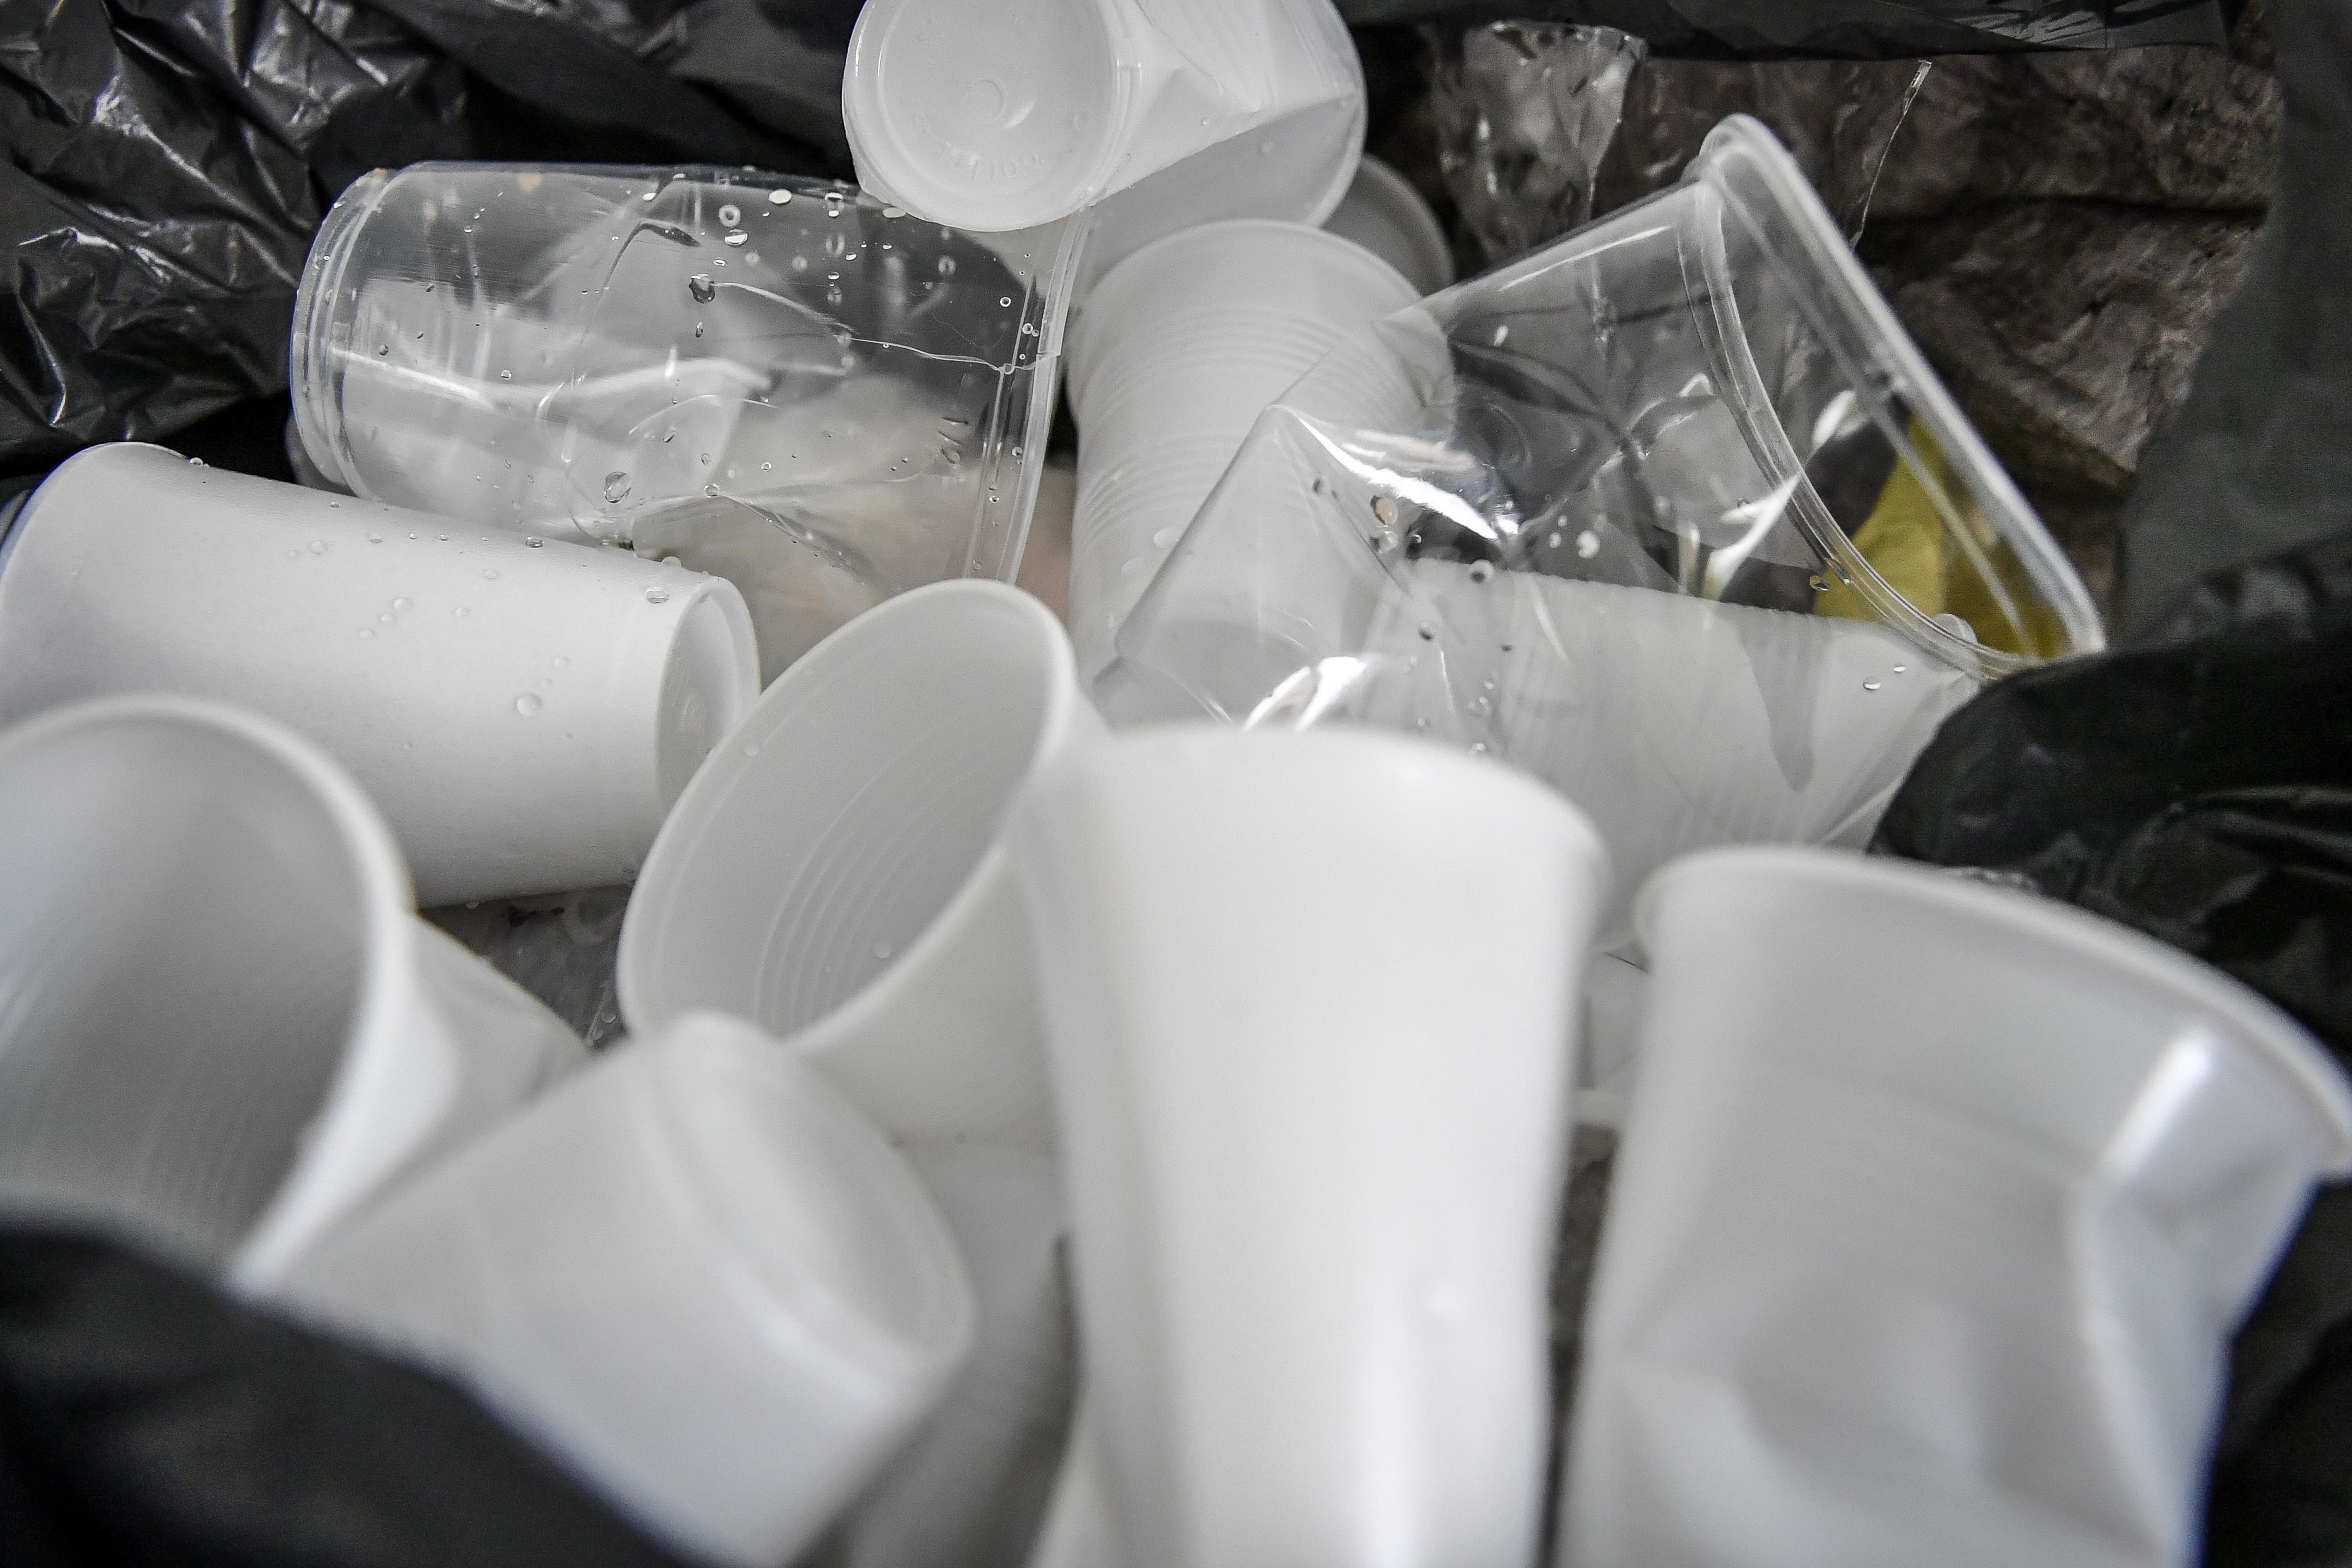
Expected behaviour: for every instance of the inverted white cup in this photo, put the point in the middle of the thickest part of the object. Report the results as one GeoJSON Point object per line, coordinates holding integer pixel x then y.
{"type": "Point", "coordinates": [970, 1491]}
{"type": "Point", "coordinates": [1176, 352]}
{"type": "Point", "coordinates": [227, 1029]}
{"type": "Point", "coordinates": [1934, 1208]}
{"type": "Point", "coordinates": [694, 1273]}
{"type": "Point", "coordinates": [1383, 213]}
{"type": "Point", "coordinates": [523, 712]}
{"type": "Point", "coordinates": [1311, 1008]}
{"type": "Point", "coordinates": [993, 117]}
{"type": "Point", "coordinates": [833, 873]}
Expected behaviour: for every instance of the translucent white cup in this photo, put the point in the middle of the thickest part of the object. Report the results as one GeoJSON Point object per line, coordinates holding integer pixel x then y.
{"type": "Point", "coordinates": [833, 873]}
{"type": "Point", "coordinates": [227, 1030]}
{"type": "Point", "coordinates": [1311, 1007]}
{"type": "Point", "coordinates": [822, 396]}
{"type": "Point", "coordinates": [522, 711]}
{"type": "Point", "coordinates": [993, 117]}
{"type": "Point", "coordinates": [1383, 213]}
{"type": "Point", "coordinates": [1934, 1208]}
{"type": "Point", "coordinates": [1172, 357]}
{"type": "Point", "coordinates": [694, 1274]}
{"type": "Point", "coordinates": [971, 1488]}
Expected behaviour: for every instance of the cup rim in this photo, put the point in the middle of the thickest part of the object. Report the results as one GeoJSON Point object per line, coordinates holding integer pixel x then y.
{"type": "Point", "coordinates": [2259, 1023]}
{"type": "Point", "coordinates": [1832, 280]}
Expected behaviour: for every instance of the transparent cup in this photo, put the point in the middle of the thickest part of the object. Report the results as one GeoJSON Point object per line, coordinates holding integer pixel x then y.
{"type": "Point", "coordinates": [831, 400]}
{"type": "Point", "coordinates": [1701, 399]}
{"type": "Point", "coordinates": [993, 117]}
{"type": "Point", "coordinates": [228, 1031]}
{"type": "Point", "coordinates": [1934, 1208]}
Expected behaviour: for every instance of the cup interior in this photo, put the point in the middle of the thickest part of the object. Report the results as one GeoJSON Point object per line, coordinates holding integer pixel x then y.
{"type": "Point", "coordinates": [829, 831]}
{"type": "Point", "coordinates": [184, 947]}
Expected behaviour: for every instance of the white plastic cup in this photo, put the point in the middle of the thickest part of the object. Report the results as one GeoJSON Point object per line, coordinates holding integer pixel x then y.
{"type": "Point", "coordinates": [1383, 213]}
{"type": "Point", "coordinates": [972, 1490]}
{"type": "Point", "coordinates": [833, 873]}
{"type": "Point", "coordinates": [523, 711]}
{"type": "Point", "coordinates": [1172, 359]}
{"type": "Point", "coordinates": [1934, 1208]}
{"type": "Point", "coordinates": [695, 1273]}
{"type": "Point", "coordinates": [997, 116]}
{"type": "Point", "coordinates": [1312, 1005]}
{"type": "Point", "coordinates": [227, 1031]}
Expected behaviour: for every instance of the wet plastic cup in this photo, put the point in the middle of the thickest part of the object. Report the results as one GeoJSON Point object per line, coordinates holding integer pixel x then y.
{"type": "Point", "coordinates": [1311, 1007]}
{"type": "Point", "coordinates": [523, 711]}
{"type": "Point", "coordinates": [993, 117]}
{"type": "Point", "coordinates": [1935, 1206]}
{"type": "Point", "coordinates": [833, 873]}
{"type": "Point", "coordinates": [1383, 213]}
{"type": "Point", "coordinates": [830, 399]}
{"type": "Point", "coordinates": [227, 1031]}
{"type": "Point", "coordinates": [1172, 359]}
{"type": "Point", "coordinates": [971, 1488]}
{"type": "Point", "coordinates": [694, 1274]}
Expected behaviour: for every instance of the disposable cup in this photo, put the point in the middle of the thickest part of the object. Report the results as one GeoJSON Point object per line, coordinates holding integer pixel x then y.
{"type": "Point", "coordinates": [1186, 341]}
{"type": "Point", "coordinates": [1933, 1210]}
{"type": "Point", "coordinates": [1311, 1005]}
{"type": "Point", "coordinates": [694, 1274]}
{"type": "Point", "coordinates": [1383, 213]}
{"type": "Point", "coordinates": [992, 118]}
{"type": "Point", "coordinates": [855, 400]}
{"type": "Point", "coordinates": [227, 1030]}
{"type": "Point", "coordinates": [972, 1490]}
{"type": "Point", "coordinates": [833, 873]}
{"type": "Point", "coordinates": [1700, 397]}
{"type": "Point", "coordinates": [1676, 724]}
{"type": "Point", "coordinates": [522, 711]}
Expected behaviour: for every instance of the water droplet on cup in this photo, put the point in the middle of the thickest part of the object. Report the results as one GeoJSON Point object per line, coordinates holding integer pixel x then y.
{"type": "Point", "coordinates": [460, 613]}
{"type": "Point", "coordinates": [780, 197]}
{"type": "Point", "coordinates": [491, 572]}
{"type": "Point", "coordinates": [366, 634]}
{"type": "Point", "coordinates": [617, 485]}
{"type": "Point", "coordinates": [703, 289]}
{"type": "Point", "coordinates": [528, 704]}
{"type": "Point", "coordinates": [735, 236]}
{"type": "Point", "coordinates": [1480, 570]}
{"type": "Point", "coordinates": [1502, 336]}
{"type": "Point", "coordinates": [1384, 508]}
{"type": "Point", "coordinates": [506, 375]}
{"type": "Point", "coordinates": [730, 214]}
{"type": "Point", "coordinates": [383, 348]}
{"type": "Point", "coordinates": [697, 329]}
{"type": "Point", "coordinates": [1870, 685]}
{"type": "Point", "coordinates": [402, 604]}
{"type": "Point", "coordinates": [1007, 300]}
{"type": "Point", "coordinates": [1588, 544]}
{"type": "Point", "coordinates": [318, 547]}
{"type": "Point", "coordinates": [375, 538]}
{"type": "Point", "coordinates": [710, 490]}
{"type": "Point", "coordinates": [534, 540]}
{"type": "Point", "coordinates": [657, 595]}
{"type": "Point", "coordinates": [947, 266]}
{"type": "Point", "coordinates": [883, 949]}
{"type": "Point", "coordinates": [1428, 633]}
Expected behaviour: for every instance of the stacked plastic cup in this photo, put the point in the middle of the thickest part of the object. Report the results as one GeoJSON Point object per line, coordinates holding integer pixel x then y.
{"type": "Point", "coordinates": [694, 1272]}
{"type": "Point", "coordinates": [1162, 117]}
{"type": "Point", "coordinates": [1387, 216]}
{"type": "Point", "coordinates": [821, 396]}
{"type": "Point", "coordinates": [1935, 1207]}
{"type": "Point", "coordinates": [226, 1029]}
{"type": "Point", "coordinates": [1172, 359]}
{"type": "Point", "coordinates": [523, 711]}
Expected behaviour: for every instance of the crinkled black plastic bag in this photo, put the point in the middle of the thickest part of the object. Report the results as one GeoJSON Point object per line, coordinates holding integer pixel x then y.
{"type": "Point", "coordinates": [1856, 29]}
{"type": "Point", "coordinates": [147, 1420]}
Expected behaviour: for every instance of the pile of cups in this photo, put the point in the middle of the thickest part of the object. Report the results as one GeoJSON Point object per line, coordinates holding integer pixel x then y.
{"type": "Point", "coordinates": [656, 536]}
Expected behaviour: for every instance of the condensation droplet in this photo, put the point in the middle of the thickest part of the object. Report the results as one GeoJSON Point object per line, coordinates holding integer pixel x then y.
{"type": "Point", "coordinates": [735, 236]}
{"type": "Point", "coordinates": [617, 485]}
{"type": "Point", "coordinates": [883, 949]}
{"type": "Point", "coordinates": [1588, 544]}
{"type": "Point", "coordinates": [318, 547]}
{"type": "Point", "coordinates": [404, 603]}
{"type": "Point", "coordinates": [703, 289]}
{"type": "Point", "coordinates": [534, 540]}
{"type": "Point", "coordinates": [657, 595]}
{"type": "Point", "coordinates": [730, 214]}
{"type": "Point", "coordinates": [1007, 299]}
{"type": "Point", "coordinates": [1428, 632]}
{"type": "Point", "coordinates": [460, 613]}
{"type": "Point", "coordinates": [491, 573]}
{"type": "Point", "coordinates": [1870, 685]}
{"type": "Point", "coordinates": [947, 266]}
{"type": "Point", "coordinates": [366, 634]}
{"type": "Point", "coordinates": [1502, 335]}
{"type": "Point", "coordinates": [528, 704]}
{"type": "Point", "coordinates": [1384, 508]}
{"type": "Point", "coordinates": [780, 197]}
{"type": "Point", "coordinates": [1480, 570]}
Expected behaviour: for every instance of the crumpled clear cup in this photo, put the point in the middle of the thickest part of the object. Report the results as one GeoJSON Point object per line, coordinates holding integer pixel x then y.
{"type": "Point", "coordinates": [775, 379]}
{"type": "Point", "coordinates": [1671, 513]}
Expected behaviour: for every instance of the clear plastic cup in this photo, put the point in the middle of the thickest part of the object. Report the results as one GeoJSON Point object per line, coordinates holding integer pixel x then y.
{"type": "Point", "coordinates": [1383, 213]}
{"type": "Point", "coordinates": [853, 399]}
{"type": "Point", "coordinates": [523, 711]}
{"type": "Point", "coordinates": [1312, 1005]}
{"type": "Point", "coordinates": [993, 117]}
{"type": "Point", "coordinates": [227, 1031]}
{"type": "Point", "coordinates": [1701, 398]}
{"type": "Point", "coordinates": [1171, 358]}
{"type": "Point", "coordinates": [694, 1274]}
{"type": "Point", "coordinates": [1934, 1208]}
{"type": "Point", "coordinates": [833, 873]}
